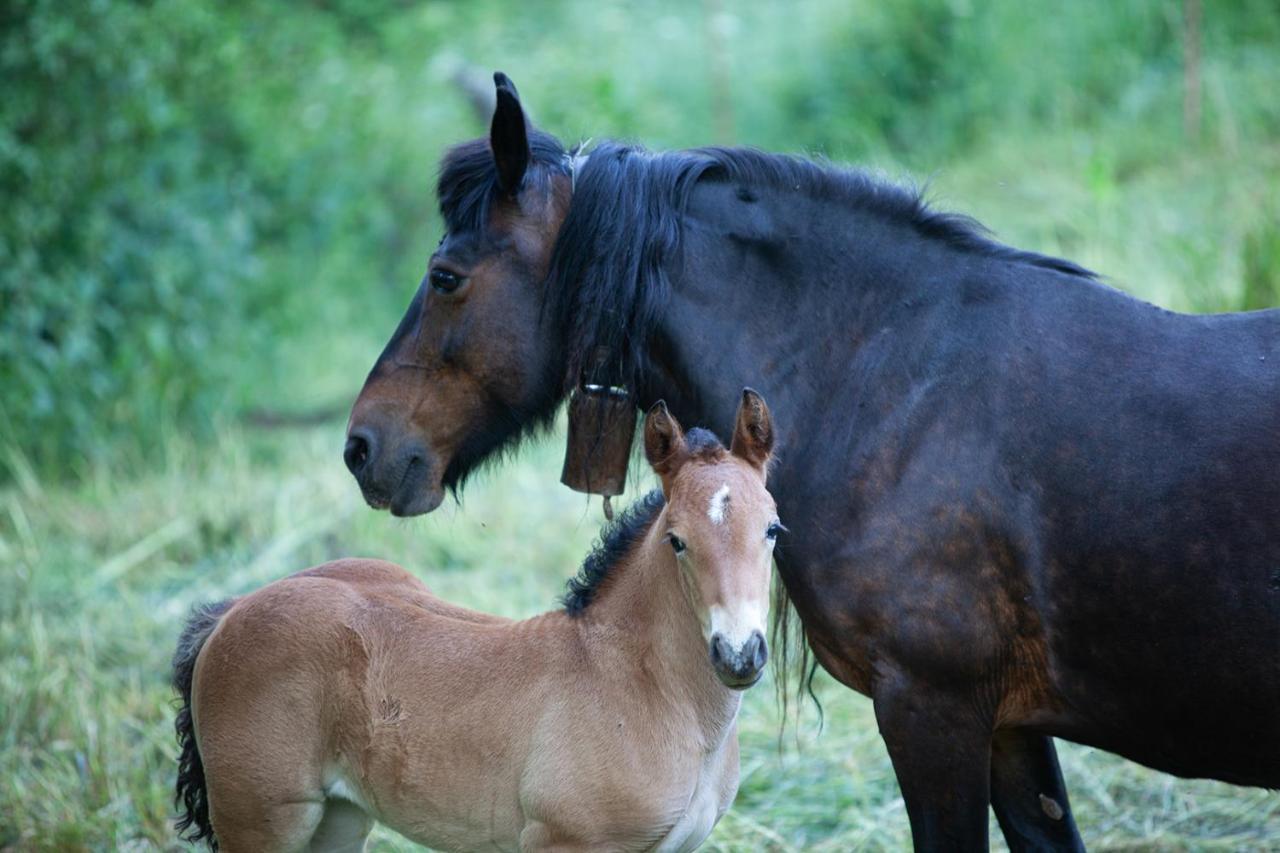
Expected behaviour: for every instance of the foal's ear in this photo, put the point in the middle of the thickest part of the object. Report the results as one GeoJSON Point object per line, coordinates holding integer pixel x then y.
{"type": "Point", "coordinates": [753, 432]}
{"type": "Point", "coordinates": [664, 445]}
{"type": "Point", "coordinates": [509, 136]}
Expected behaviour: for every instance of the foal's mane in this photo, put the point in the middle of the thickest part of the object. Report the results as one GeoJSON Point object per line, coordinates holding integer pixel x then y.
{"type": "Point", "coordinates": [607, 282]}
{"type": "Point", "coordinates": [616, 540]}
{"type": "Point", "coordinates": [620, 535]}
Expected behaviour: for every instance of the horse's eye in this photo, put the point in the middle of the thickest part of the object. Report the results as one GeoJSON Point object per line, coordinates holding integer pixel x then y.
{"type": "Point", "coordinates": [445, 281]}
{"type": "Point", "coordinates": [775, 529]}
{"type": "Point", "coordinates": [677, 544]}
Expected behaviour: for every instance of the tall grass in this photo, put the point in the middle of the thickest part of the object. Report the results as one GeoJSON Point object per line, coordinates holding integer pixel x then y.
{"type": "Point", "coordinates": [98, 577]}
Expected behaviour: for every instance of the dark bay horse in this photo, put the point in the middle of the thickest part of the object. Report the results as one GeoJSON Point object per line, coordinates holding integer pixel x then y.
{"type": "Point", "coordinates": [1025, 505]}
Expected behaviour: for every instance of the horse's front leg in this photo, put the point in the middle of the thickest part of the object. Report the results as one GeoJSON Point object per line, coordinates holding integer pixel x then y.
{"type": "Point", "coordinates": [1028, 794]}
{"type": "Point", "coordinates": [940, 745]}
{"type": "Point", "coordinates": [539, 837]}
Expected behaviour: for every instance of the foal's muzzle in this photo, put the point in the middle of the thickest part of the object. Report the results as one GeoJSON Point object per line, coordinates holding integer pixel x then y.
{"type": "Point", "coordinates": [741, 667]}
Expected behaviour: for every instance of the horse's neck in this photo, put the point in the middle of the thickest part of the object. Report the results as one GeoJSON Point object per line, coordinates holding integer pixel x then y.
{"type": "Point", "coordinates": [654, 629]}
{"type": "Point", "coordinates": [788, 310]}
{"type": "Point", "coordinates": [737, 315]}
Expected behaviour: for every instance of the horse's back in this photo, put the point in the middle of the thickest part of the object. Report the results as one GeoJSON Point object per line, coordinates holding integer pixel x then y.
{"type": "Point", "coordinates": [388, 581]}
{"type": "Point", "coordinates": [294, 638]}
{"type": "Point", "coordinates": [1097, 481]}
{"type": "Point", "coordinates": [1157, 434]}
{"type": "Point", "coordinates": [302, 688]}
{"type": "Point", "coordinates": [311, 626]}
{"type": "Point", "coordinates": [1154, 461]}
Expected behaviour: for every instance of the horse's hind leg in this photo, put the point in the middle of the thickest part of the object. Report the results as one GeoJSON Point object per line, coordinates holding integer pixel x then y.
{"type": "Point", "coordinates": [1028, 794]}
{"type": "Point", "coordinates": [344, 828]}
{"type": "Point", "coordinates": [246, 826]}
{"type": "Point", "coordinates": [263, 796]}
{"type": "Point", "coordinates": [941, 755]}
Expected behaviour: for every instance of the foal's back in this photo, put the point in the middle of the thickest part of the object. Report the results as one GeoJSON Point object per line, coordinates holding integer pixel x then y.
{"type": "Point", "coordinates": [337, 674]}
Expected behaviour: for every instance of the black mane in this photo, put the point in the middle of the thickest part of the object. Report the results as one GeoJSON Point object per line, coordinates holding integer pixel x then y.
{"type": "Point", "coordinates": [607, 280]}
{"type": "Point", "coordinates": [616, 539]}
{"type": "Point", "coordinates": [619, 535]}
{"type": "Point", "coordinates": [607, 283]}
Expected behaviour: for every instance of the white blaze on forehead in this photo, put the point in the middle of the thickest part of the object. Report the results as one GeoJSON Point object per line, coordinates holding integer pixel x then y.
{"type": "Point", "coordinates": [719, 502]}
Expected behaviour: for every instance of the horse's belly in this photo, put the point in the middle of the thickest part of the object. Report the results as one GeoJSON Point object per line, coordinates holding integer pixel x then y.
{"type": "Point", "coordinates": [430, 826]}
{"type": "Point", "coordinates": [446, 796]}
{"type": "Point", "coordinates": [453, 831]}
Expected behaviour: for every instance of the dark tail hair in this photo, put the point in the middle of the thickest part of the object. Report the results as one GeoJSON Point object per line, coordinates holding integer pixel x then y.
{"type": "Point", "coordinates": [192, 796]}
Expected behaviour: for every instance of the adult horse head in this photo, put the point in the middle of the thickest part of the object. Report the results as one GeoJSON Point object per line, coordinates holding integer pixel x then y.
{"type": "Point", "coordinates": [1024, 504]}
{"type": "Point", "coordinates": [476, 361]}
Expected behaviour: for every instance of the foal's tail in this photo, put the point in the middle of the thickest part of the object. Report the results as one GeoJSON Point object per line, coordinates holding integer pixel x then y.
{"type": "Point", "coordinates": [192, 796]}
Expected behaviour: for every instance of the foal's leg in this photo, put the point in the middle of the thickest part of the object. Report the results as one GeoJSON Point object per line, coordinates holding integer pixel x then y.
{"type": "Point", "coordinates": [1028, 794]}
{"type": "Point", "coordinates": [265, 791]}
{"type": "Point", "coordinates": [538, 837]}
{"type": "Point", "coordinates": [941, 753]}
{"type": "Point", "coordinates": [265, 826]}
{"type": "Point", "coordinates": [344, 828]}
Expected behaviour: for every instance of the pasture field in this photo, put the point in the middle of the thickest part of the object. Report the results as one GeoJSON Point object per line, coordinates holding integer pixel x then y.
{"type": "Point", "coordinates": [97, 579]}
{"type": "Point", "coordinates": [194, 282]}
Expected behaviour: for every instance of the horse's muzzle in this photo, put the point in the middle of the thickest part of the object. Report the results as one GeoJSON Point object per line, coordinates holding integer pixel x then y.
{"type": "Point", "coordinates": [741, 667]}
{"type": "Point", "coordinates": [403, 479]}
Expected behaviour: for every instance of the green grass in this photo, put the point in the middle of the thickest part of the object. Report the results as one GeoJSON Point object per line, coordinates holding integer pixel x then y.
{"type": "Point", "coordinates": [96, 580]}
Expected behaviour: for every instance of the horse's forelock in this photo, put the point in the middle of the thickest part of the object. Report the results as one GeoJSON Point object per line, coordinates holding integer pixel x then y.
{"type": "Point", "coordinates": [468, 179]}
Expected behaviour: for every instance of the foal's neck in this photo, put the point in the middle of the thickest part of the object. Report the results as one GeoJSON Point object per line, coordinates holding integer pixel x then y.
{"type": "Point", "coordinates": [652, 626]}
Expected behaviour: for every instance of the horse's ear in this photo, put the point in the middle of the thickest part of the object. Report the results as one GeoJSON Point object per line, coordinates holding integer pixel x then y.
{"type": "Point", "coordinates": [664, 445]}
{"type": "Point", "coordinates": [753, 432]}
{"type": "Point", "coordinates": [509, 136]}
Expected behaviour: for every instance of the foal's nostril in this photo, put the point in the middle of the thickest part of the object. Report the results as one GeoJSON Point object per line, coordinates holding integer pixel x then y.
{"type": "Point", "coordinates": [739, 668]}
{"type": "Point", "coordinates": [757, 651]}
{"type": "Point", "coordinates": [357, 452]}
{"type": "Point", "coordinates": [719, 651]}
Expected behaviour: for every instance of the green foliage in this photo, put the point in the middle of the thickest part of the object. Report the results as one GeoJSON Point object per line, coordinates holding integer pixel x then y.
{"type": "Point", "coordinates": [205, 202]}
{"type": "Point", "coordinates": [168, 166]}
{"type": "Point", "coordinates": [1261, 262]}
{"type": "Point", "coordinates": [126, 234]}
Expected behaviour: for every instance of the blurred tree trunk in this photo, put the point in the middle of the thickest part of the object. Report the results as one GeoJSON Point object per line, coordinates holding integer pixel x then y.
{"type": "Point", "coordinates": [716, 25]}
{"type": "Point", "coordinates": [1191, 68]}
{"type": "Point", "coordinates": [476, 86]}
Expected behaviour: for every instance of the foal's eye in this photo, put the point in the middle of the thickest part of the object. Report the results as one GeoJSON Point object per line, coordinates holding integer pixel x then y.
{"type": "Point", "coordinates": [677, 544]}
{"type": "Point", "coordinates": [775, 529]}
{"type": "Point", "coordinates": [445, 281]}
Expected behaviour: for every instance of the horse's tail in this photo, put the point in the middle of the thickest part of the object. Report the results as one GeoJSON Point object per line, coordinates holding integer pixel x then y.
{"type": "Point", "coordinates": [192, 796]}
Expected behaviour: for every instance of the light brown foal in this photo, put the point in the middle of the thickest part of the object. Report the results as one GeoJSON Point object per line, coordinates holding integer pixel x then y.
{"type": "Point", "coordinates": [347, 693]}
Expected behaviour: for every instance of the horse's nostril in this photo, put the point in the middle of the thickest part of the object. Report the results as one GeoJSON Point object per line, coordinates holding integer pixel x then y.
{"type": "Point", "coordinates": [356, 453]}
{"type": "Point", "coordinates": [759, 652]}
{"type": "Point", "coordinates": [719, 651]}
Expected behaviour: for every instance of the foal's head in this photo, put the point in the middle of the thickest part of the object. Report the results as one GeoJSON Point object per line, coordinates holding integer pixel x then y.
{"type": "Point", "coordinates": [722, 524]}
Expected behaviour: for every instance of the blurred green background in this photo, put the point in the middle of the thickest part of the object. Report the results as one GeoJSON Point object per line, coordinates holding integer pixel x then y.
{"type": "Point", "coordinates": [214, 214]}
